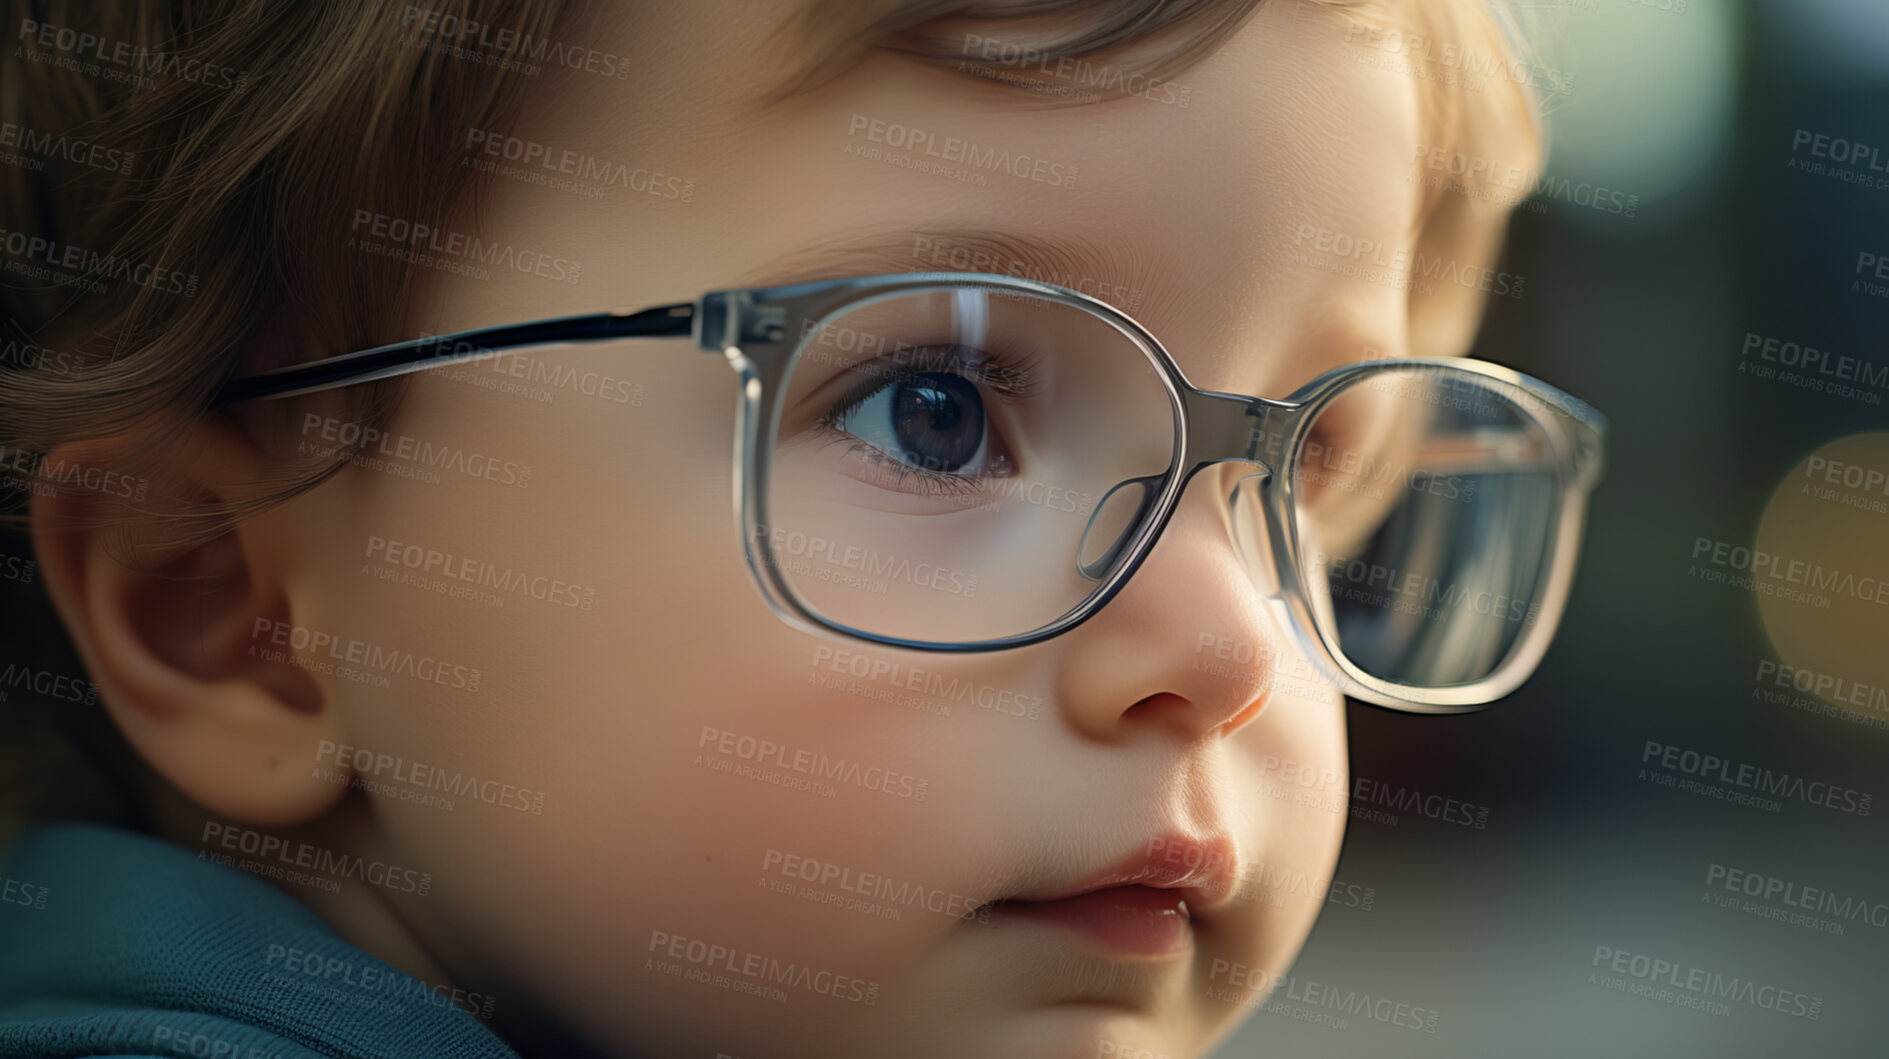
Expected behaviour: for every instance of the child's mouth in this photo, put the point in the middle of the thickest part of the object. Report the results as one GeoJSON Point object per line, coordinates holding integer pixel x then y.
{"type": "Point", "coordinates": [1143, 906]}
{"type": "Point", "coordinates": [1137, 922]}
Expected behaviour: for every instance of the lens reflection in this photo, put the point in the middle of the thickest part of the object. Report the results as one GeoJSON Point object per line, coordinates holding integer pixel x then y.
{"type": "Point", "coordinates": [944, 463]}
{"type": "Point", "coordinates": [1425, 501]}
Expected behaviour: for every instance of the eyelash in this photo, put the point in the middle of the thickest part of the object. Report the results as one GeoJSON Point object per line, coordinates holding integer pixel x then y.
{"type": "Point", "coordinates": [1011, 376]}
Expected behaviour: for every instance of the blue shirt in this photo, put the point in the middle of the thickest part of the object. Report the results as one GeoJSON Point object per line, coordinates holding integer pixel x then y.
{"type": "Point", "coordinates": [114, 943]}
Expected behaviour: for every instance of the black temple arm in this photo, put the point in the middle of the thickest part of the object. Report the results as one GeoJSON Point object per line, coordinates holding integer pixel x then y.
{"type": "Point", "coordinates": [668, 321]}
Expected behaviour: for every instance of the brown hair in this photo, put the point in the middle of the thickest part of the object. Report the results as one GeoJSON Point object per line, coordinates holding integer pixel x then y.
{"type": "Point", "coordinates": [197, 165]}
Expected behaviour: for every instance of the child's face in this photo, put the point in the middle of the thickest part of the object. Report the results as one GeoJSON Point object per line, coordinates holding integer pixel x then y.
{"type": "Point", "coordinates": [726, 800]}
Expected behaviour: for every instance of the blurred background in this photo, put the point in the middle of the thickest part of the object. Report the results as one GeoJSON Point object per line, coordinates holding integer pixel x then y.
{"type": "Point", "coordinates": [1750, 144]}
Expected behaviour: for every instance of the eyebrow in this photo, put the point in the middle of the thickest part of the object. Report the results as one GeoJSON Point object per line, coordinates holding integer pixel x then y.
{"type": "Point", "coordinates": [1117, 272]}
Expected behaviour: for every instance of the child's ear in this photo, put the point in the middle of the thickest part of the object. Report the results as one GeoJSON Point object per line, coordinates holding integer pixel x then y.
{"type": "Point", "coordinates": [167, 628]}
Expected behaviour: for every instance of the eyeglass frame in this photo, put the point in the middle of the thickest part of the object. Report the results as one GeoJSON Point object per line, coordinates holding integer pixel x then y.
{"type": "Point", "coordinates": [749, 327]}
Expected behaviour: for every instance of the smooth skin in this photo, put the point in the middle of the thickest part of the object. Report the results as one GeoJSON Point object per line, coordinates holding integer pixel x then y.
{"type": "Point", "coordinates": [614, 713]}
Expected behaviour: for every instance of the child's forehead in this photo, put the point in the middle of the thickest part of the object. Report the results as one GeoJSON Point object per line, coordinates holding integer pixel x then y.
{"type": "Point", "coordinates": [1457, 58]}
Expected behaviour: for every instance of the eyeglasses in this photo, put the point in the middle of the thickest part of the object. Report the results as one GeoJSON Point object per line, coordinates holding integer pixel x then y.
{"type": "Point", "coordinates": [972, 462]}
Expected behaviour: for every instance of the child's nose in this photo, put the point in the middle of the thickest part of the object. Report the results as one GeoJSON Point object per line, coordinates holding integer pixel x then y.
{"type": "Point", "coordinates": [1154, 655]}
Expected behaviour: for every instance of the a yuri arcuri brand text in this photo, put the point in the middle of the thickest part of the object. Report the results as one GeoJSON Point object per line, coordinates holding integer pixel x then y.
{"type": "Point", "coordinates": [1808, 367]}
{"type": "Point", "coordinates": [372, 979]}
{"type": "Point", "coordinates": [462, 569]}
{"type": "Point", "coordinates": [420, 776]}
{"type": "Point", "coordinates": [1416, 593]}
{"type": "Point", "coordinates": [1079, 74]}
{"type": "Point", "coordinates": [120, 60]}
{"type": "Point", "coordinates": [46, 684]}
{"type": "Point", "coordinates": [44, 475]}
{"type": "Point", "coordinates": [504, 47]}
{"type": "Point", "coordinates": [315, 645]}
{"type": "Point", "coordinates": [1267, 990]}
{"type": "Point", "coordinates": [345, 437]}
{"type": "Point", "coordinates": [66, 264]}
{"type": "Point", "coordinates": [956, 154]}
{"type": "Point", "coordinates": [862, 891]}
{"type": "Point", "coordinates": [1825, 686]}
{"type": "Point", "coordinates": [1702, 983]}
{"type": "Point", "coordinates": [821, 558]}
{"type": "Point", "coordinates": [744, 971]}
{"type": "Point", "coordinates": [814, 765]}
{"type": "Point", "coordinates": [930, 683]}
{"type": "Point", "coordinates": [1402, 267]}
{"type": "Point", "coordinates": [1708, 768]}
{"type": "Point", "coordinates": [76, 150]}
{"type": "Point", "coordinates": [452, 251]}
{"type": "Point", "coordinates": [1775, 574]}
{"type": "Point", "coordinates": [1810, 906]}
{"type": "Point", "coordinates": [274, 853]}
{"type": "Point", "coordinates": [584, 172]}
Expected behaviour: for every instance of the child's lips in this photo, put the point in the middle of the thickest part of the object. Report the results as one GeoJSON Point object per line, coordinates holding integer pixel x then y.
{"type": "Point", "coordinates": [1143, 905]}
{"type": "Point", "coordinates": [1125, 921]}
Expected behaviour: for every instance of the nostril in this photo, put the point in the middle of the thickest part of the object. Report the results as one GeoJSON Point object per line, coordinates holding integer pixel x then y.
{"type": "Point", "coordinates": [1164, 708]}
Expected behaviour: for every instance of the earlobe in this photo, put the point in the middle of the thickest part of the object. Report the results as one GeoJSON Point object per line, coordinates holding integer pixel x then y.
{"type": "Point", "coordinates": [165, 627]}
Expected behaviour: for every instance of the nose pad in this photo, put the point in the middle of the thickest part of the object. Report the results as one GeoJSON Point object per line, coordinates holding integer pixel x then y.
{"type": "Point", "coordinates": [1113, 524]}
{"type": "Point", "coordinates": [1251, 542]}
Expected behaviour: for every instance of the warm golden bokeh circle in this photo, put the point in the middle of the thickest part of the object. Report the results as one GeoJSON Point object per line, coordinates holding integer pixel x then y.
{"type": "Point", "coordinates": [1832, 510]}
